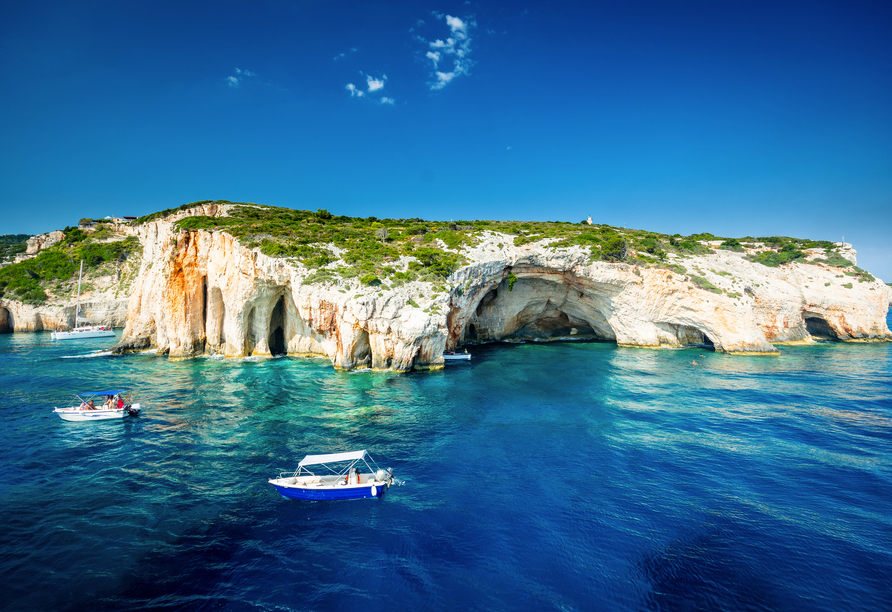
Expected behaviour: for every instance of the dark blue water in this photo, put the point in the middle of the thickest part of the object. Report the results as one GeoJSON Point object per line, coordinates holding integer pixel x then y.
{"type": "Point", "coordinates": [564, 476]}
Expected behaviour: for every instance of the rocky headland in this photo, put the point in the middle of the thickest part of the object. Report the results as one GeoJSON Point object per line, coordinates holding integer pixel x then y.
{"type": "Point", "coordinates": [237, 279]}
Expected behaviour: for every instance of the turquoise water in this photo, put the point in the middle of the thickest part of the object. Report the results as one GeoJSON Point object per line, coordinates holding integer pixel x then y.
{"type": "Point", "coordinates": [563, 476]}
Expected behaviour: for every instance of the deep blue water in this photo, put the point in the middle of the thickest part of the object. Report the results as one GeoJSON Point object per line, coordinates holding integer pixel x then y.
{"type": "Point", "coordinates": [562, 476]}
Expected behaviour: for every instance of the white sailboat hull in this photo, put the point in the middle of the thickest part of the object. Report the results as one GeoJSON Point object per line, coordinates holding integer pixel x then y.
{"type": "Point", "coordinates": [84, 333]}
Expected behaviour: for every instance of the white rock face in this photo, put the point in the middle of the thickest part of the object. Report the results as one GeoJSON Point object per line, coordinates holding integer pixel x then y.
{"type": "Point", "coordinates": [202, 292]}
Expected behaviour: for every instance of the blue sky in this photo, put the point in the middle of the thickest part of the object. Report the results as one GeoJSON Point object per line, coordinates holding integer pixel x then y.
{"type": "Point", "coordinates": [733, 118]}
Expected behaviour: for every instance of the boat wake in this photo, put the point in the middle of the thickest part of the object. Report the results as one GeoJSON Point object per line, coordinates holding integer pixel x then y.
{"type": "Point", "coordinates": [89, 355]}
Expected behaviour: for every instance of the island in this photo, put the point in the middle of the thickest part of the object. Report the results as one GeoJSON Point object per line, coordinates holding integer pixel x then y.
{"type": "Point", "coordinates": [243, 279]}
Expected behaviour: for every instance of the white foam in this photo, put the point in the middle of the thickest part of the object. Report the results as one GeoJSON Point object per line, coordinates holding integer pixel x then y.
{"type": "Point", "coordinates": [89, 355]}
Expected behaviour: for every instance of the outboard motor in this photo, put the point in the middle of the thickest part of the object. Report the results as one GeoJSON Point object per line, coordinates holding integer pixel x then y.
{"type": "Point", "coordinates": [132, 409]}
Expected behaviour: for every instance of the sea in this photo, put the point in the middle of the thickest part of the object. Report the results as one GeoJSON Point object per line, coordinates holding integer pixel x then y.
{"type": "Point", "coordinates": [559, 476]}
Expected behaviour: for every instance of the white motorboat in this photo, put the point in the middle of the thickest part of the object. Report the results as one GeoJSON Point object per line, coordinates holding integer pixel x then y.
{"type": "Point", "coordinates": [335, 476]}
{"type": "Point", "coordinates": [115, 405]}
{"type": "Point", "coordinates": [82, 332]}
{"type": "Point", "coordinates": [450, 356]}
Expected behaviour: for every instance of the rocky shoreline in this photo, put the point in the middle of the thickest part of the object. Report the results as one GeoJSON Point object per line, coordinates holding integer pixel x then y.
{"type": "Point", "coordinates": [202, 292]}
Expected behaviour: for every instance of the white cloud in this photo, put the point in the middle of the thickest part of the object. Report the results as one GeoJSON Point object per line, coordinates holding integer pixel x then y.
{"type": "Point", "coordinates": [344, 54]}
{"type": "Point", "coordinates": [233, 81]}
{"type": "Point", "coordinates": [375, 84]}
{"type": "Point", "coordinates": [458, 46]}
{"type": "Point", "coordinates": [457, 24]}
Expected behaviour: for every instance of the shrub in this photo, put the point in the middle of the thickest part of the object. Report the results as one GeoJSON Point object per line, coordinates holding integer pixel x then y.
{"type": "Point", "coordinates": [370, 279]}
{"type": "Point", "coordinates": [703, 283]}
{"type": "Point", "coordinates": [615, 249]}
{"type": "Point", "coordinates": [512, 278]}
{"type": "Point", "coordinates": [834, 259]}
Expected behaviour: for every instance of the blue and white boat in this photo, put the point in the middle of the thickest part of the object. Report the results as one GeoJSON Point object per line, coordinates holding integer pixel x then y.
{"type": "Point", "coordinates": [112, 405]}
{"type": "Point", "coordinates": [335, 476]}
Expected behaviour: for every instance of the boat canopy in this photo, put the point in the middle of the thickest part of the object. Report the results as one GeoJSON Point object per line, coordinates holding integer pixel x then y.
{"type": "Point", "coordinates": [331, 458]}
{"type": "Point", "coordinates": [102, 393]}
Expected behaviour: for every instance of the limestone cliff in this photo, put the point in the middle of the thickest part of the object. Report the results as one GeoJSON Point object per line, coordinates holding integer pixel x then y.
{"type": "Point", "coordinates": [203, 292]}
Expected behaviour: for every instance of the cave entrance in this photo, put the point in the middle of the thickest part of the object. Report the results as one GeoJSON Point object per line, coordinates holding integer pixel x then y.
{"type": "Point", "coordinates": [6, 325]}
{"type": "Point", "coordinates": [471, 334]}
{"type": "Point", "coordinates": [362, 350]}
{"type": "Point", "coordinates": [276, 338]}
{"type": "Point", "coordinates": [820, 329]}
{"type": "Point", "coordinates": [539, 308]}
{"type": "Point", "coordinates": [204, 303]}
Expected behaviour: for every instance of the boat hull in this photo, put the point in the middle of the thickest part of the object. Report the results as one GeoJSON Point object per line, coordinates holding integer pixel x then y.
{"type": "Point", "coordinates": [458, 357]}
{"type": "Point", "coordinates": [83, 335]}
{"type": "Point", "coordinates": [76, 414]}
{"type": "Point", "coordinates": [330, 493]}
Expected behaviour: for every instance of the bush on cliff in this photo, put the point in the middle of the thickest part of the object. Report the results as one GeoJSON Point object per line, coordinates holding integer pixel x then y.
{"type": "Point", "coordinates": [773, 259]}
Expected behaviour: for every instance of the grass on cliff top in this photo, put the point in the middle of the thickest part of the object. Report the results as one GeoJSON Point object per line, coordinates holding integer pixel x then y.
{"type": "Point", "coordinates": [368, 245]}
{"type": "Point", "coordinates": [29, 280]}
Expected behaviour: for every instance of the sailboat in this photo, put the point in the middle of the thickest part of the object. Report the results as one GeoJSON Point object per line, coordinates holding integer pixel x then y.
{"type": "Point", "coordinates": [83, 332]}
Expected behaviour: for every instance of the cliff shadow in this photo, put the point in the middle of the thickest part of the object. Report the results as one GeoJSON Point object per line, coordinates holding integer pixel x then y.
{"type": "Point", "coordinates": [276, 336]}
{"type": "Point", "coordinates": [250, 337]}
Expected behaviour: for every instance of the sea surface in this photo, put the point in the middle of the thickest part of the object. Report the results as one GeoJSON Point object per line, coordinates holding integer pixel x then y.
{"type": "Point", "coordinates": [571, 476]}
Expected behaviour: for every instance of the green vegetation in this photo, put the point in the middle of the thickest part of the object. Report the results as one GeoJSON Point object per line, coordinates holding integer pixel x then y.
{"type": "Point", "coordinates": [787, 253]}
{"type": "Point", "coordinates": [11, 245]}
{"type": "Point", "coordinates": [26, 281]}
{"type": "Point", "coordinates": [703, 283]}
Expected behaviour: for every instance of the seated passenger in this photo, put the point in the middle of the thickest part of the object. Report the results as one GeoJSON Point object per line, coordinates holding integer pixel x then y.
{"type": "Point", "coordinates": [120, 402]}
{"type": "Point", "coordinates": [91, 405]}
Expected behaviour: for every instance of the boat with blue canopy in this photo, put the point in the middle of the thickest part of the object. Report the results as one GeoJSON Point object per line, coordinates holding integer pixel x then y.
{"type": "Point", "coordinates": [335, 476]}
{"type": "Point", "coordinates": [111, 405]}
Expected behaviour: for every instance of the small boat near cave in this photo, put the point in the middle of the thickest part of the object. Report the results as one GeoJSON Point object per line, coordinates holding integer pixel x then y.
{"type": "Point", "coordinates": [452, 356]}
{"type": "Point", "coordinates": [83, 412]}
{"type": "Point", "coordinates": [335, 476]}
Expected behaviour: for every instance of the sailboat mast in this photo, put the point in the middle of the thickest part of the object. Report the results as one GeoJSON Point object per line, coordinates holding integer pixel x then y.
{"type": "Point", "coordinates": [77, 304]}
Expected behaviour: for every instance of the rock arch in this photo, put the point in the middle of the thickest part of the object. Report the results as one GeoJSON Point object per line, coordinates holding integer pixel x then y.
{"type": "Point", "coordinates": [537, 305]}
{"type": "Point", "coordinates": [818, 327]}
{"type": "Point", "coordinates": [362, 350]}
{"type": "Point", "coordinates": [680, 335]}
{"type": "Point", "coordinates": [7, 325]}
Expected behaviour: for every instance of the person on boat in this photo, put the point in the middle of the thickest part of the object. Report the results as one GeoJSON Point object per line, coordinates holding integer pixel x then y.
{"type": "Point", "coordinates": [109, 404]}
{"type": "Point", "coordinates": [120, 404]}
{"type": "Point", "coordinates": [91, 405]}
